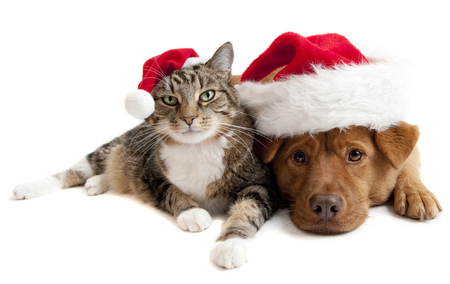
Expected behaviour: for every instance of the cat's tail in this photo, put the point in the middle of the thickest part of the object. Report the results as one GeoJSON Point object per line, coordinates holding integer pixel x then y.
{"type": "Point", "coordinates": [74, 176]}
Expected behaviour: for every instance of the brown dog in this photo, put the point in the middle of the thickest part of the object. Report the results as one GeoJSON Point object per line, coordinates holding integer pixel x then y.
{"type": "Point", "coordinates": [332, 178]}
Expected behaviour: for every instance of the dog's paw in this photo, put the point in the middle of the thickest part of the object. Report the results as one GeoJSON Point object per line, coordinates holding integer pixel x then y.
{"type": "Point", "coordinates": [194, 220]}
{"type": "Point", "coordinates": [37, 188]}
{"type": "Point", "coordinates": [231, 253]}
{"type": "Point", "coordinates": [416, 203]}
{"type": "Point", "coordinates": [95, 185]}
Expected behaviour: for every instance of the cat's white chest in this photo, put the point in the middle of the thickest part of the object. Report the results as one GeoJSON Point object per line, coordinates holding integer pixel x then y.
{"type": "Point", "coordinates": [192, 167]}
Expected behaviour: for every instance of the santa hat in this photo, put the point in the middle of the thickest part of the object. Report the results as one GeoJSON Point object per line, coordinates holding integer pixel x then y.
{"type": "Point", "coordinates": [139, 103]}
{"type": "Point", "coordinates": [314, 84]}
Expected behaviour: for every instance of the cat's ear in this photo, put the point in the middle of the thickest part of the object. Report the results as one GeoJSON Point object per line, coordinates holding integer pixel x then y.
{"type": "Point", "coordinates": [222, 60]}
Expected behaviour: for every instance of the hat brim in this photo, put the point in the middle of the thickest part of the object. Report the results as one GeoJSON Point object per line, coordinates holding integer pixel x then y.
{"type": "Point", "coordinates": [371, 95]}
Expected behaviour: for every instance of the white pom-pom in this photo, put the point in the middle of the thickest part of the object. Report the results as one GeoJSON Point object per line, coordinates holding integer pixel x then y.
{"type": "Point", "coordinates": [139, 104]}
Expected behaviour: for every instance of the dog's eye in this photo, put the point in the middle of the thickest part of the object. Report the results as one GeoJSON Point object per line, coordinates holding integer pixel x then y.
{"type": "Point", "coordinates": [299, 157]}
{"type": "Point", "coordinates": [355, 155]}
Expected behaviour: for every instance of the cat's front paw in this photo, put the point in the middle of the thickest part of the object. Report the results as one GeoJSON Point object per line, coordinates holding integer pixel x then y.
{"type": "Point", "coordinates": [231, 253]}
{"type": "Point", "coordinates": [37, 188]}
{"type": "Point", "coordinates": [95, 185]}
{"type": "Point", "coordinates": [194, 220]}
{"type": "Point", "coordinates": [416, 203]}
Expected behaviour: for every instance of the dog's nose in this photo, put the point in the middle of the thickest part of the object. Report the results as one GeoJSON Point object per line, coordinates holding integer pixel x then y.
{"type": "Point", "coordinates": [325, 206]}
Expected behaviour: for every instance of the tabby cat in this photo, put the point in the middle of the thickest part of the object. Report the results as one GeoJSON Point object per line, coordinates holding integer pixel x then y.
{"type": "Point", "coordinates": [193, 156]}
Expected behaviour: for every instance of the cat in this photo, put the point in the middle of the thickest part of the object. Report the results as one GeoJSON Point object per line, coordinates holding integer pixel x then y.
{"type": "Point", "coordinates": [193, 156]}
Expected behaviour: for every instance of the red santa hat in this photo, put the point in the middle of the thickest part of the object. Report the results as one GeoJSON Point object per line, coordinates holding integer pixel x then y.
{"type": "Point", "coordinates": [139, 103]}
{"type": "Point", "coordinates": [314, 84]}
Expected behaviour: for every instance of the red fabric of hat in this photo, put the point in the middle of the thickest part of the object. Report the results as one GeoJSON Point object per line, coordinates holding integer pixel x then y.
{"type": "Point", "coordinates": [139, 103]}
{"type": "Point", "coordinates": [299, 54]}
{"type": "Point", "coordinates": [163, 65]}
{"type": "Point", "coordinates": [323, 82]}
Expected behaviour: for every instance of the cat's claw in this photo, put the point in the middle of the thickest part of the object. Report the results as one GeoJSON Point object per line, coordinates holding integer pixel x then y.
{"type": "Point", "coordinates": [194, 220]}
{"type": "Point", "coordinates": [231, 253]}
{"type": "Point", "coordinates": [95, 185]}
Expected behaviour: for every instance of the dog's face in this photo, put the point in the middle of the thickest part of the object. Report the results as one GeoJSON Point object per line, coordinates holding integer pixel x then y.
{"type": "Point", "coordinates": [332, 178]}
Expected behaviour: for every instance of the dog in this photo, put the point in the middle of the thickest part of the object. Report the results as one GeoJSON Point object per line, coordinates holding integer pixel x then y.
{"type": "Point", "coordinates": [331, 179]}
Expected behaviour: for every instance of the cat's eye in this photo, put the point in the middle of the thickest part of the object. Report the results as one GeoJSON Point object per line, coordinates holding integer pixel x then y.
{"type": "Point", "coordinates": [355, 156]}
{"type": "Point", "coordinates": [207, 96]}
{"type": "Point", "coordinates": [299, 157]}
{"type": "Point", "coordinates": [170, 100]}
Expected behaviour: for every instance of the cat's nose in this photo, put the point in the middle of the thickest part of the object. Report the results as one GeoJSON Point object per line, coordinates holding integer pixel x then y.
{"type": "Point", "coordinates": [189, 119]}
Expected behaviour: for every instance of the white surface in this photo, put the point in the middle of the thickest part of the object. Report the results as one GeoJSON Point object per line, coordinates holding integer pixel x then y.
{"type": "Point", "coordinates": [65, 70]}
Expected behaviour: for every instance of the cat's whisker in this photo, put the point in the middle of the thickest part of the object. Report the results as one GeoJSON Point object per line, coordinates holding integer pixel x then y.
{"type": "Point", "coordinates": [139, 143]}
{"type": "Point", "coordinates": [236, 126]}
{"type": "Point", "coordinates": [228, 136]}
{"type": "Point", "coordinates": [145, 133]}
{"type": "Point", "coordinates": [143, 145]}
{"type": "Point", "coordinates": [159, 74]}
{"type": "Point", "coordinates": [249, 135]}
{"type": "Point", "coordinates": [150, 68]}
{"type": "Point", "coordinates": [159, 67]}
{"type": "Point", "coordinates": [243, 129]}
{"type": "Point", "coordinates": [290, 193]}
{"type": "Point", "coordinates": [167, 137]}
{"type": "Point", "coordinates": [237, 130]}
{"type": "Point", "coordinates": [157, 71]}
{"type": "Point", "coordinates": [242, 142]}
{"type": "Point", "coordinates": [147, 147]}
{"type": "Point", "coordinates": [144, 129]}
{"type": "Point", "coordinates": [248, 129]}
{"type": "Point", "coordinates": [150, 77]}
{"type": "Point", "coordinates": [154, 124]}
{"type": "Point", "coordinates": [246, 113]}
{"type": "Point", "coordinates": [142, 136]}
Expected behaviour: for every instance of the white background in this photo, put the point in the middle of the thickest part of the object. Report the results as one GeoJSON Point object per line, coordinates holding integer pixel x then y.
{"type": "Point", "coordinates": [65, 68]}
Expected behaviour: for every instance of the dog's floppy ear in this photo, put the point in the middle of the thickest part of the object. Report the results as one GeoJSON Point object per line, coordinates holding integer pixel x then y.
{"type": "Point", "coordinates": [397, 142]}
{"type": "Point", "coordinates": [266, 148]}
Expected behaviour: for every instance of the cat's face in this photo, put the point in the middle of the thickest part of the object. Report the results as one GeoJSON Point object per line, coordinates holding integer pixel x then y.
{"type": "Point", "coordinates": [196, 103]}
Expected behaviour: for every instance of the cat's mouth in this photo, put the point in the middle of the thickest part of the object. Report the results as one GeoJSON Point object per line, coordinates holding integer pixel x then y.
{"type": "Point", "coordinates": [192, 135]}
{"type": "Point", "coordinates": [190, 131]}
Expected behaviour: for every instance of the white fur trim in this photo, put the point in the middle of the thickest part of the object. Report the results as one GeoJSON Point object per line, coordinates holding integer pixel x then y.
{"type": "Point", "coordinates": [369, 95]}
{"type": "Point", "coordinates": [191, 61]}
{"type": "Point", "coordinates": [139, 104]}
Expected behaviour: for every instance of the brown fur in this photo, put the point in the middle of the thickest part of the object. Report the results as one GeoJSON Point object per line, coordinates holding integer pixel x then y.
{"type": "Point", "coordinates": [389, 165]}
{"type": "Point", "coordinates": [72, 178]}
{"type": "Point", "coordinates": [119, 176]}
